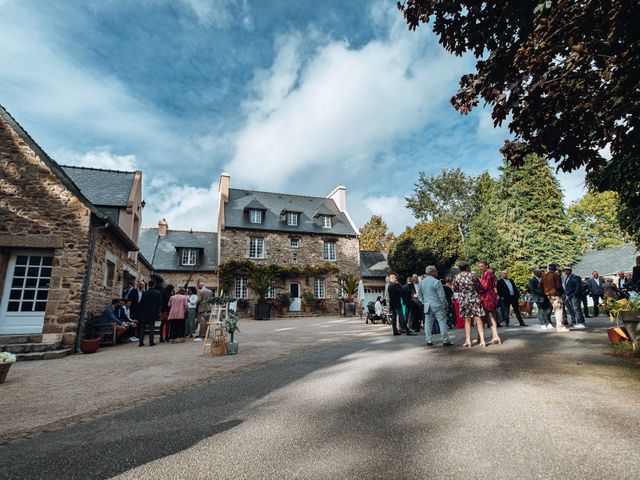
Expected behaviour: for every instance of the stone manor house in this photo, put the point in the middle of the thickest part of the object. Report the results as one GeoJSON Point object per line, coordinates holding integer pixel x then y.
{"type": "Point", "coordinates": [71, 239]}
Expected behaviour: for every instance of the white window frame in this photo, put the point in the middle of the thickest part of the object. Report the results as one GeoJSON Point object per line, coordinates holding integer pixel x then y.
{"type": "Point", "coordinates": [329, 248]}
{"type": "Point", "coordinates": [319, 288]}
{"type": "Point", "coordinates": [189, 257]}
{"type": "Point", "coordinates": [326, 221]}
{"type": "Point", "coordinates": [241, 288]}
{"type": "Point", "coordinates": [256, 248]}
{"type": "Point", "coordinates": [255, 216]}
{"type": "Point", "coordinates": [292, 219]}
{"type": "Point", "coordinates": [271, 293]}
{"type": "Point", "coordinates": [295, 242]}
{"type": "Point", "coordinates": [110, 258]}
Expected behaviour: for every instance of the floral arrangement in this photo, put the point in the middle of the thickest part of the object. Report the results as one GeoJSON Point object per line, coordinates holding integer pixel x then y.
{"type": "Point", "coordinates": [243, 303]}
{"type": "Point", "coordinates": [6, 357]}
{"type": "Point", "coordinates": [231, 324]}
{"type": "Point", "coordinates": [614, 306]}
{"type": "Point", "coordinates": [321, 304]}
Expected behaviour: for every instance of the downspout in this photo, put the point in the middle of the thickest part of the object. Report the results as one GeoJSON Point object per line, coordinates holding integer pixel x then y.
{"type": "Point", "coordinates": [86, 284]}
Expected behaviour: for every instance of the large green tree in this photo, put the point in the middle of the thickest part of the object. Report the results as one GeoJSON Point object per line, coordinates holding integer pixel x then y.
{"type": "Point", "coordinates": [428, 243]}
{"type": "Point", "coordinates": [375, 235]}
{"type": "Point", "coordinates": [594, 220]}
{"type": "Point", "coordinates": [448, 197]}
{"type": "Point", "coordinates": [563, 73]}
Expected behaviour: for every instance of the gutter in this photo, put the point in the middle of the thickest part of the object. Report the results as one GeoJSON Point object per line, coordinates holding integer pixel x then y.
{"type": "Point", "coordinates": [86, 284]}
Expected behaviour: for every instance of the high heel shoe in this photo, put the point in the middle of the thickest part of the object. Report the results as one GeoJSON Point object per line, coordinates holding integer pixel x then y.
{"type": "Point", "coordinates": [467, 344]}
{"type": "Point", "coordinates": [482, 344]}
{"type": "Point", "coordinates": [496, 340]}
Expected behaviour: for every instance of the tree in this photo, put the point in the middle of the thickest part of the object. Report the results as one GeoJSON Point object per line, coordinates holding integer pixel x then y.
{"type": "Point", "coordinates": [429, 243]}
{"type": "Point", "coordinates": [564, 72]}
{"type": "Point", "coordinates": [375, 235]}
{"type": "Point", "coordinates": [448, 197]}
{"type": "Point", "coordinates": [594, 221]}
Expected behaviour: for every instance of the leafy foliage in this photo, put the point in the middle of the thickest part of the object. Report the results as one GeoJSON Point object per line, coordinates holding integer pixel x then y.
{"type": "Point", "coordinates": [309, 299]}
{"type": "Point", "coordinates": [284, 299]}
{"type": "Point", "coordinates": [594, 221]}
{"type": "Point", "coordinates": [565, 75]}
{"type": "Point", "coordinates": [430, 243]}
{"type": "Point", "coordinates": [375, 235]}
{"type": "Point", "coordinates": [261, 280]}
{"type": "Point", "coordinates": [231, 323]}
{"type": "Point", "coordinates": [349, 284]}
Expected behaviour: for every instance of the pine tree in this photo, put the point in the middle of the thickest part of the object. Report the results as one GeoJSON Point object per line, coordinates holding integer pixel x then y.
{"type": "Point", "coordinates": [375, 235]}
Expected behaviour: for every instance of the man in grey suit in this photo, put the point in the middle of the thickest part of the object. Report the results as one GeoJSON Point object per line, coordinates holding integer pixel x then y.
{"type": "Point", "coordinates": [431, 294]}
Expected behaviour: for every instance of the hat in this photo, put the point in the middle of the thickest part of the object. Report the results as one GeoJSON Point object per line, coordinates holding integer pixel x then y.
{"type": "Point", "coordinates": [553, 267]}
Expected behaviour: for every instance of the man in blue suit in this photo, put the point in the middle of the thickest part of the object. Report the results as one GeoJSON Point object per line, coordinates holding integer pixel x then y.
{"type": "Point", "coordinates": [431, 294]}
{"type": "Point", "coordinates": [572, 285]}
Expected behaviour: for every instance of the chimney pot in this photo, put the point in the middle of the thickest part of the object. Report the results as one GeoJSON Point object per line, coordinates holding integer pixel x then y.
{"type": "Point", "coordinates": [163, 227]}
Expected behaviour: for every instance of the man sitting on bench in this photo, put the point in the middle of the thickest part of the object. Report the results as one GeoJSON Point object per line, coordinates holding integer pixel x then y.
{"type": "Point", "coordinates": [109, 316]}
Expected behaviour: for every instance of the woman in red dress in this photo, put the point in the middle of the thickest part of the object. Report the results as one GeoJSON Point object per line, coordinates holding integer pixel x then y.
{"type": "Point", "coordinates": [489, 297]}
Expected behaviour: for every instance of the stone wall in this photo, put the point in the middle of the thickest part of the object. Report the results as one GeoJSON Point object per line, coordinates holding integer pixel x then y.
{"type": "Point", "coordinates": [234, 244]}
{"type": "Point", "coordinates": [38, 212]}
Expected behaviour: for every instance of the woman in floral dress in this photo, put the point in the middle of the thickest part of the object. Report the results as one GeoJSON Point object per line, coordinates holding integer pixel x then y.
{"type": "Point", "coordinates": [467, 285]}
{"type": "Point", "coordinates": [489, 297]}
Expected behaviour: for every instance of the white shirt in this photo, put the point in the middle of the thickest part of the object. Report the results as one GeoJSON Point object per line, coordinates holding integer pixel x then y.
{"type": "Point", "coordinates": [509, 286]}
{"type": "Point", "coordinates": [193, 301]}
{"type": "Point", "coordinates": [378, 308]}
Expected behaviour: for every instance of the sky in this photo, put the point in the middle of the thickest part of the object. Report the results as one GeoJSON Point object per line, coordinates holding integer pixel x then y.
{"type": "Point", "coordinates": [288, 96]}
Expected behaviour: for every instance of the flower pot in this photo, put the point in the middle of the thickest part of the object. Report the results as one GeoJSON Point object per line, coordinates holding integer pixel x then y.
{"type": "Point", "coordinates": [285, 309]}
{"type": "Point", "coordinates": [89, 345]}
{"type": "Point", "coordinates": [232, 348]}
{"type": "Point", "coordinates": [618, 335]}
{"type": "Point", "coordinates": [631, 321]}
{"type": "Point", "coordinates": [349, 309]}
{"type": "Point", "coordinates": [307, 309]}
{"type": "Point", "coordinates": [262, 311]}
{"type": "Point", "coordinates": [4, 370]}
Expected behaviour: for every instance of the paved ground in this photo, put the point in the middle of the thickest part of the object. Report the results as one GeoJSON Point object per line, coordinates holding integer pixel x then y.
{"type": "Point", "coordinates": [543, 405]}
{"type": "Point", "coordinates": [46, 395]}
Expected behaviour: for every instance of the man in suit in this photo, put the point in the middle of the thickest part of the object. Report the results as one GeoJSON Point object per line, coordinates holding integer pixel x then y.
{"type": "Point", "coordinates": [149, 312]}
{"type": "Point", "coordinates": [395, 292]}
{"type": "Point", "coordinates": [509, 297]}
{"type": "Point", "coordinates": [572, 285]}
{"type": "Point", "coordinates": [541, 301]}
{"type": "Point", "coordinates": [431, 294]}
{"type": "Point", "coordinates": [415, 319]}
{"type": "Point", "coordinates": [134, 295]}
{"type": "Point", "coordinates": [596, 286]}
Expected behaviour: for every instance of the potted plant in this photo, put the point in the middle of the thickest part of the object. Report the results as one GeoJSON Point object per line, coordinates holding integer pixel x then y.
{"type": "Point", "coordinates": [6, 360]}
{"type": "Point", "coordinates": [284, 301]}
{"type": "Point", "coordinates": [308, 300]}
{"type": "Point", "coordinates": [628, 312]}
{"type": "Point", "coordinates": [90, 343]}
{"type": "Point", "coordinates": [321, 304]}
{"type": "Point", "coordinates": [231, 324]}
{"type": "Point", "coordinates": [260, 282]}
{"type": "Point", "coordinates": [243, 304]}
{"type": "Point", "coordinates": [348, 284]}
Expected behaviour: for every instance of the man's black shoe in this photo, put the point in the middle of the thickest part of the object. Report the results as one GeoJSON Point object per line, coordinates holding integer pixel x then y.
{"type": "Point", "coordinates": [396, 333]}
{"type": "Point", "coordinates": [411, 333]}
{"type": "Point", "coordinates": [152, 344]}
{"type": "Point", "coordinates": [429, 344]}
{"type": "Point", "coordinates": [447, 344]}
{"type": "Point", "coordinates": [524, 325]}
{"type": "Point", "coordinates": [141, 344]}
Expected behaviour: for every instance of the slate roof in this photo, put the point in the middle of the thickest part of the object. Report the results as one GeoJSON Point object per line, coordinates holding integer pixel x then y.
{"type": "Point", "coordinates": [608, 261]}
{"type": "Point", "coordinates": [374, 264]}
{"type": "Point", "coordinates": [275, 203]}
{"type": "Point", "coordinates": [164, 254]}
{"type": "Point", "coordinates": [102, 187]}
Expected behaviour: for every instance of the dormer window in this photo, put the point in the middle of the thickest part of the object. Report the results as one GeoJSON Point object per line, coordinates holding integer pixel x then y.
{"type": "Point", "coordinates": [326, 221]}
{"type": "Point", "coordinates": [255, 216]}
{"type": "Point", "coordinates": [292, 219]}
{"type": "Point", "coordinates": [189, 256]}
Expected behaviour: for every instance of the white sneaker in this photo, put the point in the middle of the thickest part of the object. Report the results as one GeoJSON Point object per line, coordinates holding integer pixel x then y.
{"type": "Point", "coordinates": [563, 329]}
{"type": "Point", "coordinates": [580, 325]}
{"type": "Point", "coordinates": [197, 339]}
{"type": "Point", "coordinates": [543, 327]}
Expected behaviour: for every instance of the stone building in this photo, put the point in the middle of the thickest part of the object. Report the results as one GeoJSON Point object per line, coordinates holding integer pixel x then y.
{"type": "Point", "coordinates": [181, 257]}
{"type": "Point", "coordinates": [314, 234]}
{"type": "Point", "coordinates": [67, 238]}
{"type": "Point", "coordinates": [374, 271]}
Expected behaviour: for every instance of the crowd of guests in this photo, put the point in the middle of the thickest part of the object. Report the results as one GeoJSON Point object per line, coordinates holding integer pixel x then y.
{"type": "Point", "coordinates": [467, 299]}
{"type": "Point", "coordinates": [181, 312]}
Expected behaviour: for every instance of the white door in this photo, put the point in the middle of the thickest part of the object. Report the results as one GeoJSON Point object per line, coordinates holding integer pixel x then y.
{"type": "Point", "coordinates": [26, 290]}
{"type": "Point", "coordinates": [371, 294]}
{"type": "Point", "coordinates": [296, 304]}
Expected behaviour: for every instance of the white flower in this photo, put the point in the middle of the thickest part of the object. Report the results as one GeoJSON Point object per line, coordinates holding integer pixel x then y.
{"type": "Point", "coordinates": [6, 357]}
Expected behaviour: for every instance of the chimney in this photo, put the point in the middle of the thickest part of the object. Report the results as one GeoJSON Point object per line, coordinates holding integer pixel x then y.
{"type": "Point", "coordinates": [339, 195]}
{"type": "Point", "coordinates": [163, 227]}
{"type": "Point", "coordinates": [223, 187]}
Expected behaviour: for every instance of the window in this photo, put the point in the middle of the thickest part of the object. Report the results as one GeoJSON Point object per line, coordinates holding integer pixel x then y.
{"type": "Point", "coordinates": [189, 256]}
{"type": "Point", "coordinates": [256, 248]}
{"type": "Point", "coordinates": [326, 221]}
{"type": "Point", "coordinates": [241, 288]}
{"type": "Point", "coordinates": [295, 242]}
{"type": "Point", "coordinates": [255, 216]}
{"type": "Point", "coordinates": [271, 293]}
{"type": "Point", "coordinates": [318, 287]}
{"type": "Point", "coordinates": [292, 219]}
{"type": "Point", "coordinates": [330, 251]}
{"type": "Point", "coordinates": [110, 270]}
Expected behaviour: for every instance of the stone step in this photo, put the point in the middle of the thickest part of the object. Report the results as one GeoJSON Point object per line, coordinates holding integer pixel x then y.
{"type": "Point", "coordinates": [48, 355]}
{"type": "Point", "coordinates": [29, 347]}
{"type": "Point", "coordinates": [13, 339]}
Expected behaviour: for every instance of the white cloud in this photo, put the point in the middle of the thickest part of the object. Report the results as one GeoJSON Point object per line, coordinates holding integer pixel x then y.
{"type": "Point", "coordinates": [339, 107]}
{"type": "Point", "coordinates": [390, 207]}
{"type": "Point", "coordinates": [102, 158]}
{"type": "Point", "coordinates": [572, 184]}
{"type": "Point", "coordinates": [220, 13]}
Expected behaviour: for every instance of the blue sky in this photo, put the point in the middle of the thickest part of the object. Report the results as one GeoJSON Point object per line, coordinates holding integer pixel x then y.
{"type": "Point", "coordinates": [293, 96]}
